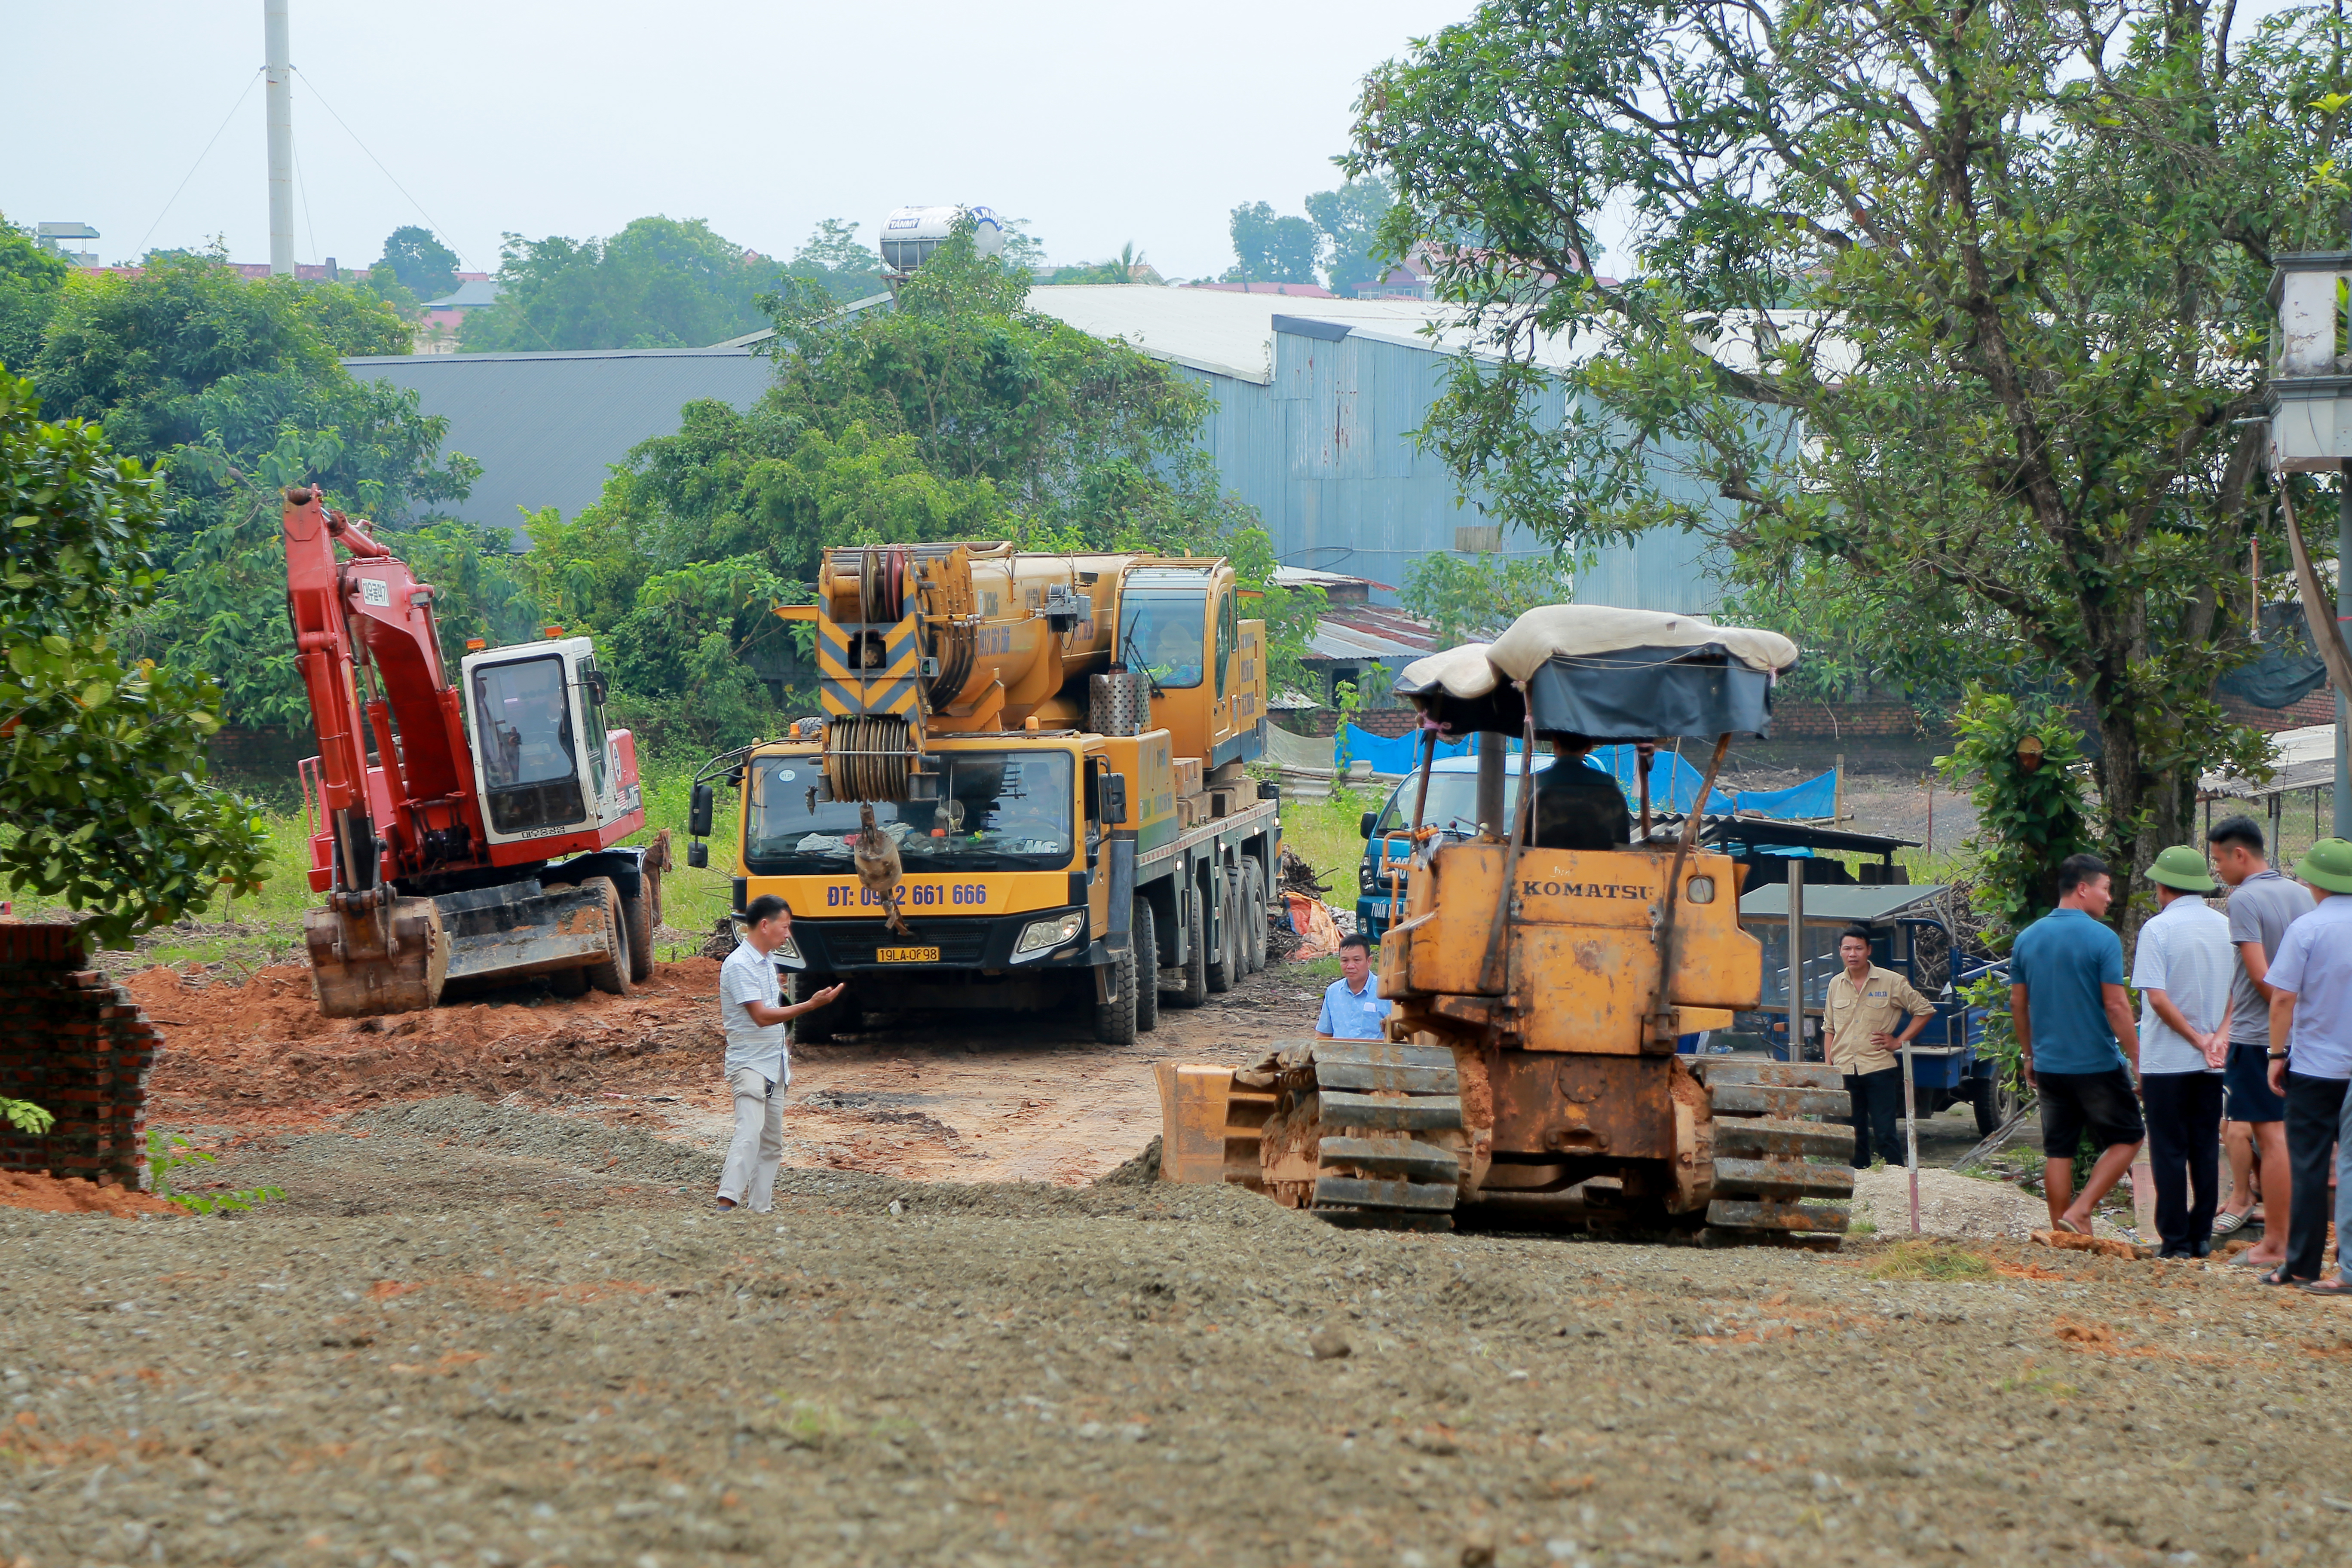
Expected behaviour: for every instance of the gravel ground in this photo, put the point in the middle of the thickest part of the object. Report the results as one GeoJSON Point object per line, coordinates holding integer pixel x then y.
{"type": "Point", "coordinates": [479, 1334]}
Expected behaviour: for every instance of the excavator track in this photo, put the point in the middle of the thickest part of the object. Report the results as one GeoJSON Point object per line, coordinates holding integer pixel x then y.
{"type": "Point", "coordinates": [1356, 1133]}
{"type": "Point", "coordinates": [1764, 1152]}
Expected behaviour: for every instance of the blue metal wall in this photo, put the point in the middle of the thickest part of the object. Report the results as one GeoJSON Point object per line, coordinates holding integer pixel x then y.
{"type": "Point", "coordinates": [1326, 454]}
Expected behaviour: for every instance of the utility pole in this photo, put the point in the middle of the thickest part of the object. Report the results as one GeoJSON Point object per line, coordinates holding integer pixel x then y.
{"type": "Point", "coordinates": [281, 138]}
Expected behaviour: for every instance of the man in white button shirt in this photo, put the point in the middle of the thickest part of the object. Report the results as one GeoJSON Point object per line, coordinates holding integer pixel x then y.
{"type": "Point", "coordinates": [2183, 969]}
{"type": "Point", "coordinates": [757, 1066]}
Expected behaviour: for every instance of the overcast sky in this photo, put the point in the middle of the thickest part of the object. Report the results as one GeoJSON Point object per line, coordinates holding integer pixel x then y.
{"type": "Point", "coordinates": [1100, 123]}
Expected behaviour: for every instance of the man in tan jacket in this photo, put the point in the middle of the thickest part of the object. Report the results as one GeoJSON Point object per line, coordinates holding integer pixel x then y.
{"type": "Point", "coordinates": [1858, 1020]}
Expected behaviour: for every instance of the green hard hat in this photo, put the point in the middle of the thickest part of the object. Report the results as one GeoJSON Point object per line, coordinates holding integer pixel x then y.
{"type": "Point", "coordinates": [2183, 868]}
{"type": "Point", "coordinates": [2327, 864]}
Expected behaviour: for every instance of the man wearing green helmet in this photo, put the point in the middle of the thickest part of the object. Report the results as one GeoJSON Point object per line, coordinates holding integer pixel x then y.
{"type": "Point", "coordinates": [2182, 968]}
{"type": "Point", "coordinates": [2311, 1064]}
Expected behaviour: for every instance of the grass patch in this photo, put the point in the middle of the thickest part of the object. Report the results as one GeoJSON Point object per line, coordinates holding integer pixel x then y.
{"type": "Point", "coordinates": [1923, 1259]}
{"type": "Point", "coordinates": [1327, 834]}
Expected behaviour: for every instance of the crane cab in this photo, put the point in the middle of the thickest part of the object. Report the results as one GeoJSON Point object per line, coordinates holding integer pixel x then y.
{"type": "Point", "coordinates": [550, 774]}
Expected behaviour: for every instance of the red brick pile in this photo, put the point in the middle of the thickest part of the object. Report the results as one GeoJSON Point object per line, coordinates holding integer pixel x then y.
{"type": "Point", "coordinates": [73, 1042]}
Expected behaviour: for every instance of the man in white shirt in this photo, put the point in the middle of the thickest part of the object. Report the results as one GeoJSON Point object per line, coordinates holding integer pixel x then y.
{"type": "Point", "coordinates": [759, 1068]}
{"type": "Point", "coordinates": [2183, 968]}
{"type": "Point", "coordinates": [2311, 1065]}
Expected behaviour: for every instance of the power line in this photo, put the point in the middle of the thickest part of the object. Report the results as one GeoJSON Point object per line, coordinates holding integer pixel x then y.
{"type": "Point", "coordinates": [446, 238]}
{"type": "Point", "coordinates": [199, 162]}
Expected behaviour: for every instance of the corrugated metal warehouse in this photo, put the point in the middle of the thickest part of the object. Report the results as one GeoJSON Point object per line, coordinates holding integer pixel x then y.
{"type": "Point", "coordinates": [1317, 402]}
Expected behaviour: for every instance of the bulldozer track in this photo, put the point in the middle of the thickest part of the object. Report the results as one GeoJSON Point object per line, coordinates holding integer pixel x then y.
{"type": "Point", "coordinates": [1764, 1155]}
{"type": "Point", "coordinates": [1352, 1132]}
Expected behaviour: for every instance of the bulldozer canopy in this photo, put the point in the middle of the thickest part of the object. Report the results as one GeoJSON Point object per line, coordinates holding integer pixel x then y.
{"type": "Point", "coordinates": [1607, 674]}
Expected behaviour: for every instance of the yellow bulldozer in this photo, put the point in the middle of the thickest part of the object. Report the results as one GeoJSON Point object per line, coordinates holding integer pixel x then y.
{"type": "Point", "coordinates": [1543, 972]}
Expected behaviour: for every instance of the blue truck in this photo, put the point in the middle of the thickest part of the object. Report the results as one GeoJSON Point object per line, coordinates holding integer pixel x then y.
{"type": "Point", "coordinates": [1451, 809]}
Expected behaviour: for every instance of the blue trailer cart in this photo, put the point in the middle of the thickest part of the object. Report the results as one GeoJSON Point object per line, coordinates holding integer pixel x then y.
{"type": "Point", "coordinates": [1909, 935]}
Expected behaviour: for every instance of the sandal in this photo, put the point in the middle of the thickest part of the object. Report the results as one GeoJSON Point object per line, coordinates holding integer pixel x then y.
{"type": "Point", "coordinates": [2068, 1225]}
{"type": "Point", "coordinates": [2279, 1277]}
{"type": "Point", "coordinates": [2225, 1222]}
{"type": "Point", "coordinates": [2339, 1286]}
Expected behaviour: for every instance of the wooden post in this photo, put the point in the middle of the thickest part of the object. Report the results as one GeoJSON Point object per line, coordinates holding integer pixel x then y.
{"type": "Point", "coordinates": [1796, 959]}
{"type": "Point", "coordinates": [1911, 1137]}
{"type": "Point", "coordinates": [1837, 792]}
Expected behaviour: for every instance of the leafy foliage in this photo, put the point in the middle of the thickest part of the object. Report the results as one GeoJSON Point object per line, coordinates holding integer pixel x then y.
{"type": "Point", "coordinates": [658, 283]}
{"type": "Point", "coordinates": [1476, 596]}
{"type": "Point", "coordinates": [1271, 249]}
{"type": "Point", "coordinates": [30, 280]}
{"type": "Point", "coordinates": [101, 763]}
{"type": "Point", "coordinates": [836, 260]}
{"type": "Point", "coordinates": [419, 262]}
{"type": "Point", "coordinates": [1349, 221]}
{"type": "Point", "coordinates": [26, 1117]}
{"type": "Point", "coordinates": [168, 1152]}
{"type": "Point", "coordinates": [2028, 817]}
{"type": "Point", "coordinates": [1967, 300]}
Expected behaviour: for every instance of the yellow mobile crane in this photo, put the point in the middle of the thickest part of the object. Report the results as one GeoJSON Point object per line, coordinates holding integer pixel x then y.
{"type": "Point", "coordinates": [1054, 744]}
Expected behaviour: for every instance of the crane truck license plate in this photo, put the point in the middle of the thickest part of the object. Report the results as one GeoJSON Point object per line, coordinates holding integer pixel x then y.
{"type": "Point", "coordinates": [906, 955]}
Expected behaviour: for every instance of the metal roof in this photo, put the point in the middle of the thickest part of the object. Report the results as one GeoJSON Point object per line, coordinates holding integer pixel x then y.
{"type": "Point", "coordinates": [547, 427]}
{"type": "Point", "coordinates": [1367, 631]}
{"type": "Point", "coordinates": [1838, 905]}
{"type": "Point", "coordinates": [2300, 759]}
{"type": "Point", "coordinates": [480, 291]}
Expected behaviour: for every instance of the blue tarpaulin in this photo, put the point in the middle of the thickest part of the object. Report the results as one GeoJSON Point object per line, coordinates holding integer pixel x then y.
{"type": "Point", "coordinates": [1674, 782]}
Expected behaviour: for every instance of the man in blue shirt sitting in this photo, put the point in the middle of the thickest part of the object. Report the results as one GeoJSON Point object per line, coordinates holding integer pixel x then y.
{"type": "Point", "coordinates": [1351, 1010]}
{"type": "Point", "coordinates": [2075, 1032]}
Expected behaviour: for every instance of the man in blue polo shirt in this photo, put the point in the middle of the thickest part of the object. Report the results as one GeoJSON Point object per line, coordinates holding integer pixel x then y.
{"type": "Point", "coordinates": [2074, 1031]}
{"type": "Point", "coordinates": [1351, 1010]}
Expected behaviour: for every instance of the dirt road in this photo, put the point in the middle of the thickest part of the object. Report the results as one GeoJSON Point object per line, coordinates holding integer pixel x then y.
{"type": "Point", "coordinates": [483, 1335]}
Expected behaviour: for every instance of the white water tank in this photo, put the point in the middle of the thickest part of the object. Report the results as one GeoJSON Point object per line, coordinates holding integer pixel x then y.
{"type": "Point", "coordinates": [909, 235]}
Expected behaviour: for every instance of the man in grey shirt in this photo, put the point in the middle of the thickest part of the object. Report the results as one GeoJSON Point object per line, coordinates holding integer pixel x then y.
{"type": "Point", "coordinates": [2262, 904]}
{"type": "Point", "coordinates": [759, 1068]}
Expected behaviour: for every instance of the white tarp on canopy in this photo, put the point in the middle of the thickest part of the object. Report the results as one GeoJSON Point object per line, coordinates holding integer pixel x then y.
{"type": "Point", "coordinates": [1576, 631]}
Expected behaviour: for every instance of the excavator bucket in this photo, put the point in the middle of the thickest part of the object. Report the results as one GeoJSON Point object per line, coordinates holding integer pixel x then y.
{"type": "Point", "coordinates": [364, 964]}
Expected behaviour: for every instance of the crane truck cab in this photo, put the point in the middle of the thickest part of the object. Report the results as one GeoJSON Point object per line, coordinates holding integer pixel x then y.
{"type": "Point", "coordinates": [1053, 746]}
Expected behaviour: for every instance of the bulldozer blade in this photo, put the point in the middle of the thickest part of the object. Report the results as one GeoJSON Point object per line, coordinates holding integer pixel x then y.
{"type": "Point", "coordinates": [1428, 1114]}
{"type": "Point", "coordinates": [511, 932]}
{"type": "Point", "coordinates": [1757, 1138]}
{"type": "Point", "coordinates": [1781, 1104]}
{"type": "Point", "coordinates": [1392, 1157]}
{"type": "Point", "coordinates": [1193, 1110]}
{"type": "Point", "coordinates": [1781, 1178]}
{"type": "Point", "coordinates": [1778, 1074]}
{"type": "Point", "coordinates": [1773, 1213]}
{"type": "Point", "coordinates": [356, 974]}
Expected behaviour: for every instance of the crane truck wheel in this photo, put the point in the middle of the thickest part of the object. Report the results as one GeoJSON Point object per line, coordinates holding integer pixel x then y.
{"type": "Point", "coordinates": [611, 975]}
{"type": "Point", "coordinates": [638, 917]}
{"type": "Point", "coordinates": [1253, 911]}
{"type": "Point", "coordinates": [1143, 940]}
{"type": "Point", "coordinates": [1193, 988]}
{"type": "Point", "coordinates": [1362, 1133]}
{"type": "Point", "coordinates": [1225, 960]}
{"type": "Point", "coordinates": [1115, 1019]}
{"type": "Point", "coordinates": [1763, 1152]}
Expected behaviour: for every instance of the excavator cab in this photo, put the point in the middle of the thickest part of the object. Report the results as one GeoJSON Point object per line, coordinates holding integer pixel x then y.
{"type": "Point", "coordinates": [544, 762]}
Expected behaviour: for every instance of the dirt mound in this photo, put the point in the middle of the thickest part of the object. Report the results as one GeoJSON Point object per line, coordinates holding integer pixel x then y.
{"type": "Point", "coordinates": [263, 1046]}
{"type": "Point", "coordinates": [71, 1194]}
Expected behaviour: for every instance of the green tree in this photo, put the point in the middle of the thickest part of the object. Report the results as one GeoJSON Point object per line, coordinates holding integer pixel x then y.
{"type": "Point", "coordinates": [101, 763]}
{"type": "Point", "coordinates": [1349, 222]}
{"type": "Point", "coordinates": [1474, 597]}
{"type": "Point", "coordinates": [835, 258]}
{"type": "Point", "coordinates": [30, 282]}
{"type": "Point", "coordinates": [658, 283]}
{"type": "Point", "coordinates": [420, 263]}
{"type": "Point", "coordinates": [1270, 249]}
{"type": "Point", "coordinates": [961, 415]}
{"type": "Point", "coordinates": [1966, 299]}
{"type": "Point", "coordinates": [2021, 762]}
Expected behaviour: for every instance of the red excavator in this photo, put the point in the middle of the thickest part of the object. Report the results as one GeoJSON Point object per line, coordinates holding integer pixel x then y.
{"type": "Point", "coordinates": [440, 812]}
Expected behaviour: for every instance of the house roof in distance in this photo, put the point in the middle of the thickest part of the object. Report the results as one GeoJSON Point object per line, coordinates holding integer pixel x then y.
{"type": "Point", "coordinates": [470, 294]}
